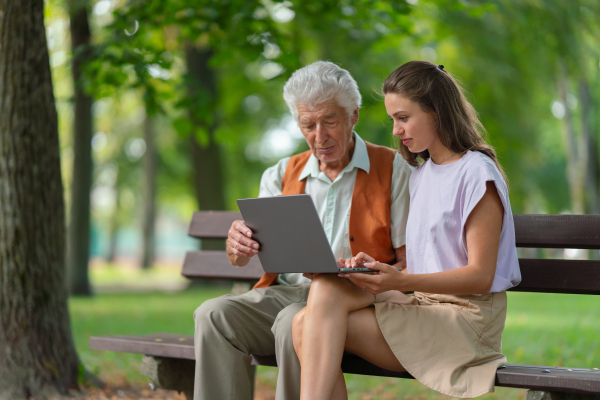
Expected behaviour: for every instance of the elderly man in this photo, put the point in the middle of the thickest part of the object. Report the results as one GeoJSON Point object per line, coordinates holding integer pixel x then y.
{"type": "Point", "coordinates": [360, 191]}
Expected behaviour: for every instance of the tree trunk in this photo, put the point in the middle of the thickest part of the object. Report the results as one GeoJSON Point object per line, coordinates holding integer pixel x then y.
{"type": "Point", "coordinates": [114, 225]}
{"type": "Point", "coordinates": [78, 245]}
{"type": "Point", "coordinates": [208, 175]}
{"type": "Point", "coordinates": [149, 195]}
{"type": "Point", "coordinates": [592, 168]}
{"type": "Point", "coordinates": [576, 155]}
{"type": "Point", "coordinates": [37, 355]}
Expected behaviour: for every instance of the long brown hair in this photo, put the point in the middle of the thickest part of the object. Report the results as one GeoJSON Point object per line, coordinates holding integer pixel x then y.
{"type": "Point", "coordinates": [434, 89]}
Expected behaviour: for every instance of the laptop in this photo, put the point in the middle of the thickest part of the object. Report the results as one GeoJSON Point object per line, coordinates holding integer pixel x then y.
{"type": "Point", "coordinates": [290, 235]}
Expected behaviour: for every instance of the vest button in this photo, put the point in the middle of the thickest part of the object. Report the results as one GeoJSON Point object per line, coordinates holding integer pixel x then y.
{"type": "Point", "coordinates": [352, 238]}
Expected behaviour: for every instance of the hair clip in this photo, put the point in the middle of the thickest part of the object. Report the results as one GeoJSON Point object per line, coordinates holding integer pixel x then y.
{"type": "Point", "coordinates": [441, 67]}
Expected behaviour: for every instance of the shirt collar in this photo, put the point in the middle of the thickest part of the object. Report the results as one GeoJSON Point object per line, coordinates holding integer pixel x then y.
{"type": "Point", "coordinates": [360, 159]}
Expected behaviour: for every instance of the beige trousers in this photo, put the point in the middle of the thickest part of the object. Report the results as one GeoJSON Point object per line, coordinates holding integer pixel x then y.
{"type": "Point", "coordinates": [230, 328]}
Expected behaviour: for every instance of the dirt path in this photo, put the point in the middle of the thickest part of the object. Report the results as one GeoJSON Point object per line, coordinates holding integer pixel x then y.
{"type": "Point", "coordinates": [263, 392]}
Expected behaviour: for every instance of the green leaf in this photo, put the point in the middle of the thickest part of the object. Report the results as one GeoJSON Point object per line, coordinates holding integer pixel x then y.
{"type": "Point", "coordinates": [202, 136]}
{"type": "Point", "coordinates": [183, 126]}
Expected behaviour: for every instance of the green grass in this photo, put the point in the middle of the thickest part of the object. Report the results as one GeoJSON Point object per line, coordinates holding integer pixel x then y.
{"type": "Point", "coordinates": [131, 314]}
{"type": "Point", "coordinates": [121, 277]}
{"type": "Point", "coordinates": [541, 329]}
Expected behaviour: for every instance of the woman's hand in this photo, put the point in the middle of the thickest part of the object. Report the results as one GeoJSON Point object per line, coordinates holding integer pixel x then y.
{"type": "Point", "coordinates": [387, 277]}
{"type": "Point", "coordinates": [358, 261]}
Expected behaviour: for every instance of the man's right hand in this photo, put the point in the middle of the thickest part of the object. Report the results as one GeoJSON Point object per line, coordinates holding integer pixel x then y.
{"type": "Point", "coordinates": [239, 246]}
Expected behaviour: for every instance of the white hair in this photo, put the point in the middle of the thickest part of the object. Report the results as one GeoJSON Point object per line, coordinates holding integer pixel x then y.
{"type": "Point", "coordinates": [319, 82]}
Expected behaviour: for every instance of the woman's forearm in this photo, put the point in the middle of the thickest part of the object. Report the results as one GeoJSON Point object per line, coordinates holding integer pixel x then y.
{"type": "Point", "coordinates": [470, 279]}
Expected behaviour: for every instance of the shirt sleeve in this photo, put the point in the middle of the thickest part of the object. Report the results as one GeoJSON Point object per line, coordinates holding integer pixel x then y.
{"type": "Point", "coordinates": [400, 201]}
{"type": "Point", "coordinates": [474, 188]}
{"type": "Point", "coordinates": [270, 183]}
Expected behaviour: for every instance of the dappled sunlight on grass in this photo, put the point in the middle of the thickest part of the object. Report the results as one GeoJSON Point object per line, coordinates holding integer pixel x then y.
{"type": "Point", "coordinates": [124, 276]}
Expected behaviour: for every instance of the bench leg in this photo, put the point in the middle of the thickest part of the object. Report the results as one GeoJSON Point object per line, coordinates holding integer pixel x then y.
{"type": "Point", "coordinates": [176, 374]}
{"type": "Point", "coordinates": [170, 373]}
{"type": "Point", "coordinates": [540, 395]}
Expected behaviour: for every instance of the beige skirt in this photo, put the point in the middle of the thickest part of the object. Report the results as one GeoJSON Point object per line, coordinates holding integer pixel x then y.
{"type": "Point", "coordinates": [450, 343]}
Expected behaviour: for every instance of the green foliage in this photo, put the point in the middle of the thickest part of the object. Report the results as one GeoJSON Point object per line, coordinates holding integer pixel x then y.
{"type": "Point", "coordinates": [508, 55]}
{"type": "Point", "coordinates": [183, 126]}
{"type": "Point", "coordinates": [144, 36]}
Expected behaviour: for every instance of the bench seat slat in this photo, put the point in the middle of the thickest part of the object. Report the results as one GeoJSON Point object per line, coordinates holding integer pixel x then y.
{"type": "Point", "coordinates": [157, 344]}
{"type": "Point", "coordinates": [557, 231]}
{"type": "Point", "coordinates": [513, 375]}
{"type": "Point", "coordinates": [559, 276]}
{"type": "Point", "coordinates": [211, 264]}
{"type": "Point", "coordinates": [212, 224]}
{"type": "Point", "coordinates": [559, 379]}
{"type": "Point", "coordinates": [542, 276]}
{"type": "Point", "coordinates": [532, 230]}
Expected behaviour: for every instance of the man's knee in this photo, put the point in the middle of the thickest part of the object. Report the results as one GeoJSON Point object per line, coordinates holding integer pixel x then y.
{"type": "Point", "coordinates": [282, 328]}
{"type": "Point", "coordinates": [212, 313]}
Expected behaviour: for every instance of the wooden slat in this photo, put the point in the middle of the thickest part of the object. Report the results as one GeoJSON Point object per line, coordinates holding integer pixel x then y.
{"type": "Point", "coordinates": [157, 344]}
{"type": "Point", "coordinates": [558, 379]}
{"type": "Point", "coordinates": [532, 230]}
{"type": "Point", "coordinates": [352, 364]}
{"type": "Point", "coordinates": [518, 376]}
{"type": "Point", "coordinates": [212, 224]}
{"type": "Point", "coordinates": [541, 276]}
{"type": "Point", "coordinates": [559, 276]}
{"type": "Point", "coordinates": [558, 231]}
{"type": "Point", "coordinates": [215, 265]}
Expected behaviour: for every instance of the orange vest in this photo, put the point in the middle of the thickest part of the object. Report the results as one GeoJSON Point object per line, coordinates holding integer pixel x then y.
{"type": "Point", "coordinates": [369, 226]}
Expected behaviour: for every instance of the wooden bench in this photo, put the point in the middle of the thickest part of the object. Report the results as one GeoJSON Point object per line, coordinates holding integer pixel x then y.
{"type": "Point", "coordinates": [169, 359]}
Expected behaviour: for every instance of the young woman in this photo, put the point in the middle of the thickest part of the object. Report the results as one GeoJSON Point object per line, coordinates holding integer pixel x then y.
{"type": "Point", "coordinates": [461, 258]}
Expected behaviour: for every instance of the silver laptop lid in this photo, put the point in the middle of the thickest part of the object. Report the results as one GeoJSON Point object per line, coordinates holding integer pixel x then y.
{"type": "Point", "coordinates": [290, 234]}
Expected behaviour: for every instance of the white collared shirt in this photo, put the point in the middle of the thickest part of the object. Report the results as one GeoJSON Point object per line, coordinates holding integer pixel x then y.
{"type": "Point", "coordinates": [333, 199]}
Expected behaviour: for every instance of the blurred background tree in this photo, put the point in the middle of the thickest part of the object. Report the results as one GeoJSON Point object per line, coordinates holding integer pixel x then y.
{"type": "Point", "coordinates": [78, 235]}
{"type": "Point", "coordinates": [188, 106]}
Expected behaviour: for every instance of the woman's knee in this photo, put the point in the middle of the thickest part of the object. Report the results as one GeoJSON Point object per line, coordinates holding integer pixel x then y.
{"type": "Point", "coordinates": [328, 290]}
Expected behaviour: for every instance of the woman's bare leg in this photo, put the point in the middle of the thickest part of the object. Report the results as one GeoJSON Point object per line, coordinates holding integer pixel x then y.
{"type": "Point", "coordinates": [364, 338]}
{"type": "Point", "coordinates": [339, 392]}
{"type": "Point", "coordinates": [322, 377]}
{"type": "Point", "coordinates": [324, 328]}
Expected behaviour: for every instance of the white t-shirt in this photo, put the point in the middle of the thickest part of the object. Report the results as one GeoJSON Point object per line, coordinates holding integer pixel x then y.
{"type": "Point", "coordinates": [333, 199]}
{"type": "Point", "coordinates": [441, 199]}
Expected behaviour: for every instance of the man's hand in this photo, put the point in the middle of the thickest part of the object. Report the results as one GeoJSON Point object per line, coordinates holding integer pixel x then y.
{"type": "Point", "coordinates": [239, 246]}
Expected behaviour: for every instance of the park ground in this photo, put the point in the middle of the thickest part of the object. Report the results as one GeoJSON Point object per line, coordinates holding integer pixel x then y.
{"type": "Point", "coordinates": [541, 329]}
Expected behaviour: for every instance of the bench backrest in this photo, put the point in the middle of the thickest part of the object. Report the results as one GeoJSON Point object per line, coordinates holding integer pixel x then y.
{"type": "Point", "coordinates": [533, 231]}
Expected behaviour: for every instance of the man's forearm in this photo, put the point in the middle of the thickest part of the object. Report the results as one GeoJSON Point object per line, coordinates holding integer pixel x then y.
{"type": "Point", "coordinates": [400, 257]}
{"type": "Point", "coordinates": [400, 263]}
